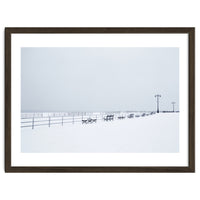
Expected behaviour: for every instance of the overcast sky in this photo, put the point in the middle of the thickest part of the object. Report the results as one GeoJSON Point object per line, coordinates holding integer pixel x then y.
{"type": "Point", "coordinates": [98, 79]}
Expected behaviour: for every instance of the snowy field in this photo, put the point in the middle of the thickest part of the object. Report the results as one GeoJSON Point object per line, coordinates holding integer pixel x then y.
{"type": "Point", "coordinates": [158, 133]}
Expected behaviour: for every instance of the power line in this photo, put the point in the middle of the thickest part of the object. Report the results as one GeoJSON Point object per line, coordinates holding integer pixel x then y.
{"type": "Point", "coordinates": [157, 96]}
{"type": "Point", "coordinates": [173, 104]}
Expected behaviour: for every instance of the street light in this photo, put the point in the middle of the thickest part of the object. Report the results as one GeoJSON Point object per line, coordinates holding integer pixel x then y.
{"type": "Point", "coordinates": [157, 96]}
{"type": "Point", "coordinates": [173, 105]}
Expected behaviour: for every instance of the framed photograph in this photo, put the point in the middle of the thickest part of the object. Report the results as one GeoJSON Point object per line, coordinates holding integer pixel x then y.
{"type": "Point", "coordinates": [99, 99]}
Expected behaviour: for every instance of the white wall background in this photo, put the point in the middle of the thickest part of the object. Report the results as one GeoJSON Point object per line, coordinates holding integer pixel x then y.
{"type": "Point", "coordinates": [90, 13]}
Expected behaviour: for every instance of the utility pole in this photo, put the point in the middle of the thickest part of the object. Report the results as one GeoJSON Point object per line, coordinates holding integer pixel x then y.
{"type": "Point", "coordinates": [173, 105]}
{"type": "Point", "coordinates": [157, 96]}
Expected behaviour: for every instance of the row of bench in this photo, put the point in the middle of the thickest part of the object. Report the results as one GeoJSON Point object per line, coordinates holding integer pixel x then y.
{"type": "Point", "coordinates": [111, 117]}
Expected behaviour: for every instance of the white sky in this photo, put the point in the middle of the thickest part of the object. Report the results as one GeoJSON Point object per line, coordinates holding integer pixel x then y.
{"type": "Point", "coordinates": [98, 79]}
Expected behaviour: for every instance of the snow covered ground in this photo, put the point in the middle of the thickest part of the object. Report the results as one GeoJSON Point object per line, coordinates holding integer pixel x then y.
{"type": "Point", "coordinates": [157, 133]}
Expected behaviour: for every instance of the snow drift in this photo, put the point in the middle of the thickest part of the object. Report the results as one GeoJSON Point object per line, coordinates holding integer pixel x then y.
{"type": "Point", "coordinates": [157, 133]}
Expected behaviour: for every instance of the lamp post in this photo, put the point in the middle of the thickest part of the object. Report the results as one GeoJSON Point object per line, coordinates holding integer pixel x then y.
{"type": "Point", "coordinates": [173, 105]}
{"type": "Point", "coordinates": [157, 96]}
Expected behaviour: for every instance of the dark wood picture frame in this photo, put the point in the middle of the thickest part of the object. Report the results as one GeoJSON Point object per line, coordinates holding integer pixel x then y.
{"type": "Point", "coordinates": [191, 98]}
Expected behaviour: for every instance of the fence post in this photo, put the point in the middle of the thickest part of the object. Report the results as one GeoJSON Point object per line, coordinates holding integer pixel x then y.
{"type": "Point", "coordinates": [49, 121]}
{"type": "Point", "coordinates": [73, 119]}
{"type": "Point", "coordinates": [33, 123]}
{"type": "Point", "coordinates": [62, 120]}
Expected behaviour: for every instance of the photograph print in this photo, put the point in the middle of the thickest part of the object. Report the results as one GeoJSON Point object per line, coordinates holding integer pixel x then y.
{"type": "Point", "coordinates": [100, 100]}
